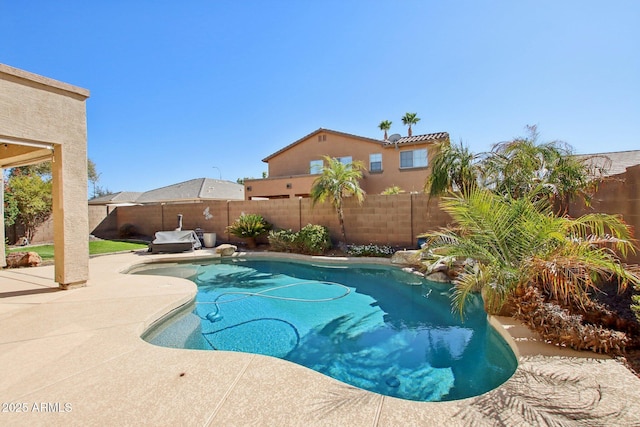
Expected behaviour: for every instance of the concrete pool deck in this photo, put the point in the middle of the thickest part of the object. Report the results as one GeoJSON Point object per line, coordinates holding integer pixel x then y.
{"type": "Point", "coordinates": [76, 358]}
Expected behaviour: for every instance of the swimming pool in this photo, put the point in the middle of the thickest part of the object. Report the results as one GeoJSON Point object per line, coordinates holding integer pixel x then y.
{"type": "Point", "coordinates": [374, 327]}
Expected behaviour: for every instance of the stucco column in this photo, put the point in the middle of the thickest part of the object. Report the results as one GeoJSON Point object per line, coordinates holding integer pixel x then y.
{"type": "Point", "coordinates": [70, 215]}
{"type": "Point", "coordinates": [3, 255]}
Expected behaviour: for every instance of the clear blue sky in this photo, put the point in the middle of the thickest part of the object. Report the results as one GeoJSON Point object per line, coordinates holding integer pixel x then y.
{"type": "Point", "coordinates": [188, 89]}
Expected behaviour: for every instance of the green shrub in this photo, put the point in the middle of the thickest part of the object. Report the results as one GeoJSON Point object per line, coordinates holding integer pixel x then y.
{"type": "Point", "coordinates": [313, 239]}
{"type": "Point", "coordinates": [282, 240]}
{"type": "Point", "coordinates": [392, 190]}
{"type": "Point", "coordinates": [370, 250]}
{"type": "Point", "coordinates": [249, 226]}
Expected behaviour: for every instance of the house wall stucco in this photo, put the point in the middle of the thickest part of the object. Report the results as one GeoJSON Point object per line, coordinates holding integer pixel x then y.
{"type": "Point", "coordinates": [36, 109]}
{"type": "Point", "coordinates": [291, 165]}
{"type": "Point", "coordinates": [617, 195]}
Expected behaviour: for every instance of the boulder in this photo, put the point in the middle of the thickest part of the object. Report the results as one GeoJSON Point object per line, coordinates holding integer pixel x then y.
{"type": "Point", "coordinates": [438, 276]}
{"type": "Point", "coordinates": [226, 249]}
{"type": "Point", "coordinates": [23, 259]}
{"type": "Point", "coordinates": [406, 258]}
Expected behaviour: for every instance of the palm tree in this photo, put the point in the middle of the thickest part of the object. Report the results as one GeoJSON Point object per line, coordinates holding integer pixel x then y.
{"type": "Point", "coordinates": [410, 119]}
{"type": "Point", "coordinates": [337, 181]}
{"type": "Point", "coordinates": [385, 125]}
{"type": "Point", "coordinates": [522, 249]}
{"type": "Point", "coordinates": [454, 168]}
{"type": "Point", "coordinates": [517, 167]}
{"type": "Point", "coordinates": [513, 169]}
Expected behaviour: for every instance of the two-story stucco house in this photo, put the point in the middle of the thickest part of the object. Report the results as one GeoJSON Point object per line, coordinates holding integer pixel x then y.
{"type": "Point", "coordinates": [399, 161]}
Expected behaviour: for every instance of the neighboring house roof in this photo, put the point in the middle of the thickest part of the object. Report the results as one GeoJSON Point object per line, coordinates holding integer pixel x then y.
{"type": "Point", "coordinates": [121, 197]}
{"type": "Point", "coordinates": [195, 189]}
{"type": "Point", "coordinates": [612, 163]}
{"type": "Point", "coordinates": [427, 137]}
{"type": "Point", "coordinates": [375, 141]}
{"type": "Point", "coordinates": [192, 190]}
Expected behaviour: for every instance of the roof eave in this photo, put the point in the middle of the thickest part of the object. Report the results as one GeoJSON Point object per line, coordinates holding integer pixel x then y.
{"type": "Point", "coordinates": [335, 132]}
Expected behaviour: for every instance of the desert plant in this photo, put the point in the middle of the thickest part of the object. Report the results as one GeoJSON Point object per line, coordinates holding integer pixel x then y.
{"type": "Point", "coordinates": [410, 119]}
{"type": "Point", "coordinates": [453, 168]}
{"type": "Point", "coordinates": [392, 190]}
{"type": "Point", "coordinates": [521, 243]}
{"type": "Point", "coordinates": [370, 250]}
{"type": "Point", "coordinates": [338, 181]}
{"type": "Point", "coordinates": [282, 240]}
{"type": "Point", "coordinates": [515, 169]}
{"type": "Point", "coordinates": [635, 307]}
{"type": "Point", "coordinates": [249, 226]}
{"type": "Point", "coordinates": [385, 125]}
{"type": "Point", "coordinates": [313, 239]}
{"type": "Point", "coordinates": [518, 167]}
{"type": "Point", "coordinates": [516, 242]}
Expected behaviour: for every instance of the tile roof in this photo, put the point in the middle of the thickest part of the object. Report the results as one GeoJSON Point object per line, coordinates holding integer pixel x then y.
{"type": "Point", "coordinates": [195, 189]}
{"type": "Point", "coordinates": [612, 163]}
{"type": "Point", "coordinates": [115, 198]}
{"type": "Point", "coordinates": [438, 136]}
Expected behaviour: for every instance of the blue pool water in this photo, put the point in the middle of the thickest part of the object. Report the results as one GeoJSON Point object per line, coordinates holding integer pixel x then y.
{"type": "Point", "coordinates": [375, 327]}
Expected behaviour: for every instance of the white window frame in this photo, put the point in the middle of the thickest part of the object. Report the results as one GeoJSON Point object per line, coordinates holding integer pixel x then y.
{"type": "Point", "coordinates": [375, 158]}
{"type": "Point", "coordinates": [346, 160]}
{"type": "Point", "coordinates": [419, 158]}
{"type": "Point", "coordinates": [315, 167]}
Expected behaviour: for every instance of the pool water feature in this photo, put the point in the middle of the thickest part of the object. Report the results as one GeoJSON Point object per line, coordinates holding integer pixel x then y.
{"type": "Point", "coordinates": [374, 327]}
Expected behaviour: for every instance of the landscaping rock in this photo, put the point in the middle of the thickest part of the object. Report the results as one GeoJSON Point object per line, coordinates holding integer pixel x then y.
{"type": "Point", "coordinates": [23, 259]}
{"type": "Point", "coordinates": [406, 258]}
{"type": "Point", "coordinates": [226, 249]}
{"type": "Point", "coordinates": [438, 276]}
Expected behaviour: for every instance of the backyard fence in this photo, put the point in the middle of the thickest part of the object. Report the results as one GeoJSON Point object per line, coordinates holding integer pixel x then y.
{"type": "Point", "coordinates": [393, 220]}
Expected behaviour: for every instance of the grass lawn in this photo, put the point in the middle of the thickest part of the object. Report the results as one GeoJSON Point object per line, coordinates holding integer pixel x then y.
{"type": "Point", "coordinates": [95, 247]}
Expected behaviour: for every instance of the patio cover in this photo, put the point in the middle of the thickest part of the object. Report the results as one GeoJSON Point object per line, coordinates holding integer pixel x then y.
{"type": "Point", "coordinates": [43, 119]}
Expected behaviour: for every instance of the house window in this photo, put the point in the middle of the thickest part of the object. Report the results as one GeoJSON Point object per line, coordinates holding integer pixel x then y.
{"type": "Point", "coordinates": [315, 166]}
{"type": "Point", "coordinates": [375, 162]}
{"type": "Point", "coordinates": [345, 160]}
{"type": "Point", "coordinates": [413, 159]}
{"type": "Point", "coordinates": [322, 138]}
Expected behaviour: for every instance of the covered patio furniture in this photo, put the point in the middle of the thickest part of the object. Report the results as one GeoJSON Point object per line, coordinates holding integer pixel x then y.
{"type": "Point", "coordinates": [175, 241]}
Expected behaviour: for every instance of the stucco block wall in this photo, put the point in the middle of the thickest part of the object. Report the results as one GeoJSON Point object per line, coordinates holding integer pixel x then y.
{"type": "Point", "coordinates": [618, 195]}
{"type": "Point", "coordinates": [394, 220]}
{"type": "Point", "coordinates": [103, 221]}
{"type": "Point", "coordinates": [210, 216]}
